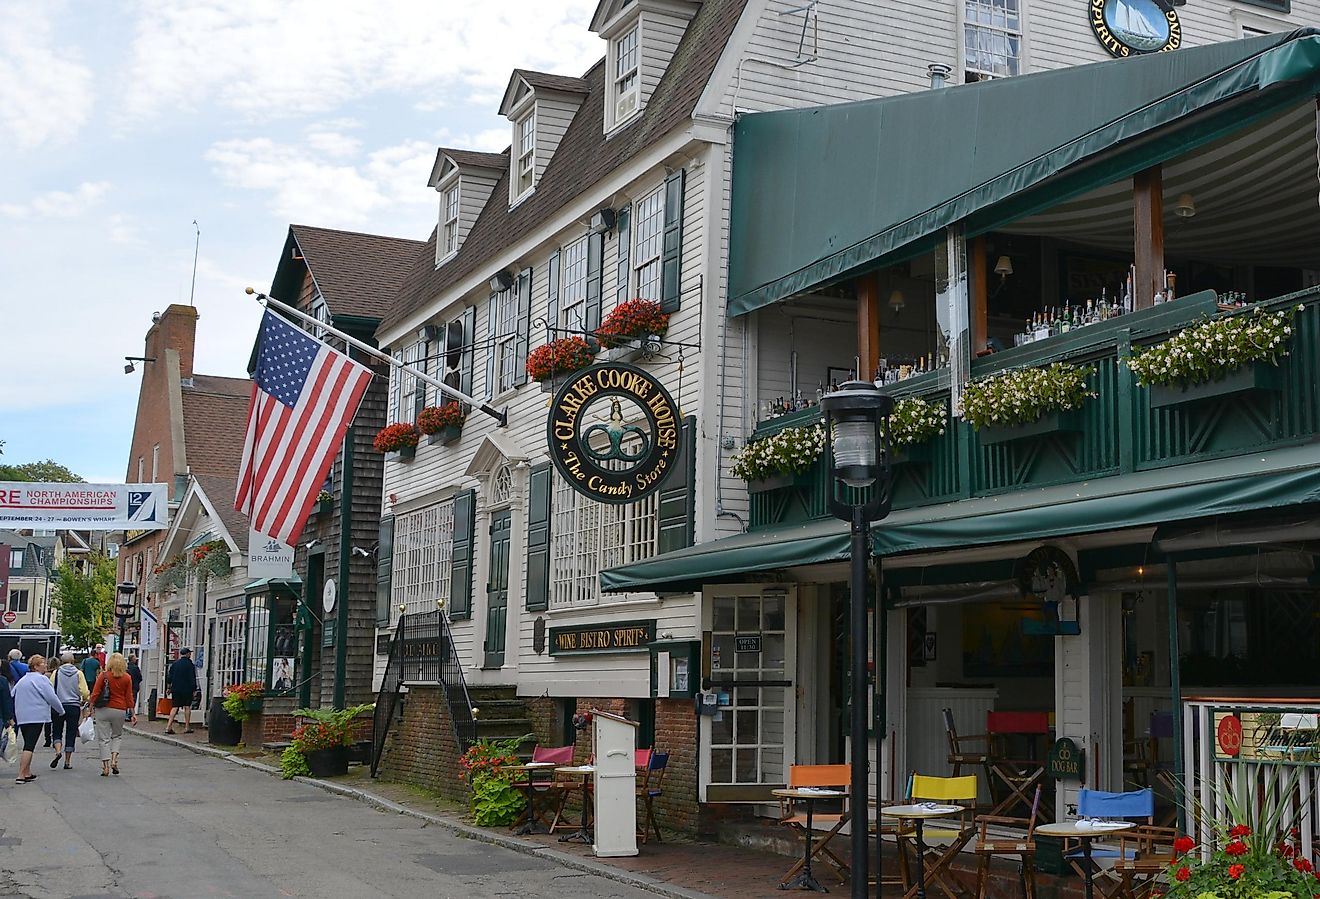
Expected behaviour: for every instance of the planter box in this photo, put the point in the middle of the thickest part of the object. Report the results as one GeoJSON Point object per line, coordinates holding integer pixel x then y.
{"type": "Point", "coordinates": [911, 454]}
{"type": "Point", "coordinates": [1256, 376]}
{"type": "Point", "coordinates": [328, 762]}
{"type": "Point", "coordinates": [547, 386]}
{"type": "Point", "coordinates": [254, 705]}
{"type": "Point", "coordinates": [446, 436]}
{"type": "Point", "coordinates": [325, 506]}
{"type": "Point", "coordinates": [406, 454]}
{"type": "Point", "coordinates": [779, 482]}
{"type": "Point", "coordinates": [632, 350]}
{"type": "Point", "coordinates": [1053, 423]}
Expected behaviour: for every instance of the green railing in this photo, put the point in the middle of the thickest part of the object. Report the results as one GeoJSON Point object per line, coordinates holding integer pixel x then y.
{"type": "Point", "coordinates": [1118, 431]}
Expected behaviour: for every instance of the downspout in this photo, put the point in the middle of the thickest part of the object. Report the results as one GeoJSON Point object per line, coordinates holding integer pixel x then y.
{"type": "Point", "coordinates": [1175, 690]}
{"type": "Point", "coordinates": [345, 555]}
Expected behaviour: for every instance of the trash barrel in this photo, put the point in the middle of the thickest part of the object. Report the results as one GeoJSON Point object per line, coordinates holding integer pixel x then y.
{"type": "Point", "coordinates": [151, 706]}
{"type": "Point", "coordinates": [221, 728]}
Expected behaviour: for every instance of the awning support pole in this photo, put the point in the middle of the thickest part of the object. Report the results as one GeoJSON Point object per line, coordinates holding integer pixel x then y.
{"type": "Point", "coordinates": [868, 325]}
{"type": "Point", "coordinates": [1175, 691]}
{"type": "Point", "coordinates": [1148, 211]}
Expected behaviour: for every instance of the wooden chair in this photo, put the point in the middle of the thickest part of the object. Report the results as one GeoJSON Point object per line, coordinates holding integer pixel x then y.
{"type": "Point", "coordinates": [1136, 804]}
{"type": "Point", "coordinates": [1144, 857]}
{"type": "Point", "coordinates": [649, 790]}
{"type": "Point", "coordinates": [950, 838]}
{"type": "Point", "coordinates": [558, 755]}
{"type": "Point", "coordinates": [960, 754]}
{"type": "Point", "coordinates": [1022, 846]}
{"type": "Point", "coordinates": [892, 827]}
{"type": "Point", "coordinates": [1016, 777]}
{"type": "Point", "coordinates": [837, 777]}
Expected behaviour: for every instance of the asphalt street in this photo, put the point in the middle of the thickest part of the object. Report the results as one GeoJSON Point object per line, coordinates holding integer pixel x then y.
{"type": "Point", "coordinates": [176, 824]}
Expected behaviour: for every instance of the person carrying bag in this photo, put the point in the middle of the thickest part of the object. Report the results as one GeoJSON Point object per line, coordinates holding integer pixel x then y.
{"type": "Point", "coordinates": [113, 704]}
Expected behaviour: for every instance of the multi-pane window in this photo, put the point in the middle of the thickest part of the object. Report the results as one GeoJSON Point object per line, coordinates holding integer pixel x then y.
{"type": "Point", "coordinates": [649, 227]}
{"type": "Point", "coordinates": [526, 152]}
{"type": "Point", "coordinates": [451, 220]}
{"type": "Point", "coordinates": [18, 600]}
{"type": "Point", "coordinates": [588, 536]}
{"type": "Point", "coordinates": [625, 75]}
{"type": "Point", "coordinates": [423, 553]}
{"type": "Point", "coordinates": [229, 649]}
{"type": "Point", "coordinates": [320, 312]}
{"type": "Point", "coordinates": [15, 559]}
{"type": "Point", "coordinates": [992, 36]}
{"type": "Point", "coordinates": [504, 307]}
{"type": "Point", "coordinates": [573, 289]}
{"type": "Point", "coordinates": [409, 393]}
{"type": "Point", "coordinates": [747, 740]}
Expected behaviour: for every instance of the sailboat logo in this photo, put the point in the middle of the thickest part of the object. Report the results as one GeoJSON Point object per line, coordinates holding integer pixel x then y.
{"type": "Point", "coordinates": [1138, 23]}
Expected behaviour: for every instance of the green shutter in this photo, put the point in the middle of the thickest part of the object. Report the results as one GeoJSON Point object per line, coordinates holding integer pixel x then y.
{"type": "Point", "coordinates": [538, 539]}
{"type": "Point", "coordinates": [524, 288]}
{"type": "Point", "coordinates": [419, 386]}
{"type": "Point", "coordinates": [552, 307]}
{"type": "Point", "coordinates": [678, 495]}
{"type": "Point", "coordinates": [384, 569]}
{"type": "Point", "coordinates": [591, 312]}
{"type": "Point", "coordinates": [460, 581]}
{"type": "Point", "coordinates": [623, 270]}
{"type": "Point", "coordinates": [492, 348]}
{"type": "Point", "coordinates": [671, 259]}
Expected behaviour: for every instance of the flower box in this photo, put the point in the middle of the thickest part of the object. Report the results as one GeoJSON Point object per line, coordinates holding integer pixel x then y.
{"type": "Point", "coordinates": [330, 762]}
{"type": "Point", "coordinates": [253, 705]}
{"type": "Point", "coordinates": [911, 454]}
{"type": "Point", "coordinates": [1254, 376]}
{"type": "Point", "coordinates": [403, 454]}
{"type": "Point", "coordinates": [779, 482]}
{"type": "Point", "coordinates": [547, 386]}
{"type": "Point", "coordinates": [633, 349]}
{"type": "Point", "coordinates": [1052, 423]}
{"type": "Point", "coordinates": [325, 506]}
{"type": "Point", "coordinates": [446, 436]}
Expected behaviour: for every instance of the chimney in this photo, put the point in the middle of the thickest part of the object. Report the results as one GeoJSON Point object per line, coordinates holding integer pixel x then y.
{"type": "Point", "coordinates": [174, 329]}
{"type": "Point", "coordinates": [939, 74]}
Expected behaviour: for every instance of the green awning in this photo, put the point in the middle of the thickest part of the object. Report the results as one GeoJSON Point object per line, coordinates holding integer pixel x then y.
{"type": "Point", "coordinates": [1269, 480]}
{"type": "Point", "coordinates": [828, 192]}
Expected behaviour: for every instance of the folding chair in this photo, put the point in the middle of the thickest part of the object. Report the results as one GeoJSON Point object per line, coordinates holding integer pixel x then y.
{"type": "Point", "coordinates": [1138, 804]}
{"type": "Point", "coordinates": [960, 754]}
{"type": "Point", "coordinates": [1015, 777]}
{"type": "Point", "coordinates": [1022, 846]}
{"type": "Point", "coordinates": [959, 829]}
{"type": "Point", "coordinates": [649, 790]}
{"type": "Point", "coordinates": [558, 755]}
{"type": "Point", "coordinates": [1145, 856]}
{"type": "Point", "coordinates": [837, 777]}
{"type": "Point", "coordinates": [891, 827]}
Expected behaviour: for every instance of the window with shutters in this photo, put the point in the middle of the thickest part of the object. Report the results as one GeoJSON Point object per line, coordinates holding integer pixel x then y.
{"type": "Point", "coordinates": [423, 552]}
{"type": "Point", "coordinates": [525, 163]}
{"type": "Point", "coordinates": [573, 286]}
{"type": "Point", "coordinates": [504, 328]}
{"type": "Point", "coordinates": [992, 39]}
{"type": "Point", "coordinates": [625, 84]}
{"type": "Point", "coordinates": [648, 225]}
{"type": "Point", "coordinates": [451, 220]}
{"type": "Point", "coordinates": [587, 536]}
{"type": "Point", "coordinates": [407, 393]}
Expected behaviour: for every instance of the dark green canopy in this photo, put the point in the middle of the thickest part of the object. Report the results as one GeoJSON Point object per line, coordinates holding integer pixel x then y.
{"type": "Point", "coordinates": [824, 193]}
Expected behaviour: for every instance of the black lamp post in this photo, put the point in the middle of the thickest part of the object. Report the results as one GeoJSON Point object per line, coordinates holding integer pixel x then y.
{"type": "Point", "coordinates": [125, 607]}
{"type": "Point", "coordinates": [857, 425]}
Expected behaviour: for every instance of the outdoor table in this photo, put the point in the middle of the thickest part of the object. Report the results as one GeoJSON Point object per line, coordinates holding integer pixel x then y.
{"type": "Point", "coordinates": [583, 833]}
{"type": "Point", "coordinates": [918, 814]}
{"type": "Point", "coordinates": [1084, 834]}
{"type": "Point", "coordinates": [805, 879]}
{"type": "Point", "coordinates": [529, 818]}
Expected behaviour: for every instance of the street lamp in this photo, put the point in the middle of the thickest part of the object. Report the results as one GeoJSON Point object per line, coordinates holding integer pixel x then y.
{"type": "Point", "coordinates": [857, 425]}
{"type": "Point", "coordinates": [125, 607]}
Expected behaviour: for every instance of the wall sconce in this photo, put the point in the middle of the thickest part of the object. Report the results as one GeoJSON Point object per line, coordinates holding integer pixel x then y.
{"type": "Point", "coordinates": [129, 368]}
{"type": "Point", "coordinates": [1185, 208]}
{"type": "Point", "coordinates": [1003, 267]}
{"type": "Point", "coordinates": [502, 281]}
{"type": "Point", "coordinates": [897, 301]}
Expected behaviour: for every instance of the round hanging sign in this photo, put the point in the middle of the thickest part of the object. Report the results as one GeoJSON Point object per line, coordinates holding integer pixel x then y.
{"type": "Point", "coordinates": [1229, 733]}
{"type": "Point", "coordinates": [1134, 27]}
{"type": "Point", "coordinates": [613, 433]}
{"type": "Point", "coordinates": [329, 594]}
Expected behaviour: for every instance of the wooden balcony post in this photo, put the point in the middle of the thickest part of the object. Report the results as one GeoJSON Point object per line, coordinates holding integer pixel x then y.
{"type": "Point", "coordinates": [867, 288]}
{"type": "Point", "coordinates": [979, 288]}
{"type": "Point", "coordinates": [1148, 208]}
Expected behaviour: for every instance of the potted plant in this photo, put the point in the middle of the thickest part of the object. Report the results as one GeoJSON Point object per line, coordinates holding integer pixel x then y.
{"type": "Point", "coordinates": [325, 501]}
{"type": "Point", "coordinates": [397, 441]}
{"type": "Point", "coordinates": [912, 425]}
{"type": "Point", "coordinates": [559, 357]}
{"type": "Point", "coordinates": [245, 699]}
{"type": "Point", "coordinates": [781, 460]}
{"type": "Point", "coordinates": [1026, 402]}
{"type": "Point", "coordinates": [170, 575]}
{"type": "Point", "coordinates": [442, 424]}
{"type": "Point", "coordinates": [321, 743]}
{"type": "Point", "coordinates": [632, 329]}
{"type": "Point", "coordinates": [495, 801]}
{"type": "Point", "coordinates": [1245, 864]}
{"type": "Point", "coordinates": [212, 557]}
{"type": "Point", "coordinates": [1216, 358]}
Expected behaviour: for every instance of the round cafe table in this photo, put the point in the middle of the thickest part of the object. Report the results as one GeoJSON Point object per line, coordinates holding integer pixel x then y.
{"type": "Point", "coordinates": [583, 833]}
{"type": "Point", "coordinates": [805, 879]}
{"type": "Point", "coordinates": [1084, 834]}
{"type": "Point", "coordinates": [918, 813]}
{"type": "Point", "coordinates": [530, 819]}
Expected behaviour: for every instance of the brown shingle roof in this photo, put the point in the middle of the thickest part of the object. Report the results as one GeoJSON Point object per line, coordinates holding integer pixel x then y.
{"type": "Point", "coordinates": [221, 385]}
{"type": "Point", "coordinates": [472, 157]}
{"type": "Point", "coordinates": [220, 491]}
{"type": "Point", "coordinates": [358, 274]}
{"type": "Point", "coordinates": [553, 82]}
{"type": "Point", "coordinates": [583, 158]}
{"type": "Point", "coordinates": [213, 430]}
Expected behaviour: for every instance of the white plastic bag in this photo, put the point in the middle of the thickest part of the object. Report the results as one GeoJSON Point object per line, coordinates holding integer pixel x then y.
{"type": "Point", "coordinates": [9, 742]}
{"type": "Point", "coordinates": [87, 730]}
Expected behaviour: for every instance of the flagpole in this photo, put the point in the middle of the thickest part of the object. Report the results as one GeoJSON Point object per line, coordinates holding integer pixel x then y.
{"type": "Point", "coordinates": [500, 415]}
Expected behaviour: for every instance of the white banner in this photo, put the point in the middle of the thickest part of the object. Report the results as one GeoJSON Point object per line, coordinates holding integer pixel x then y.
{"type": "Point", "coordinates": [147, 639]}
{"type": "Point", "coordinates": [94, 507]}
{"type": "Point", "coordinates": [268, 557]}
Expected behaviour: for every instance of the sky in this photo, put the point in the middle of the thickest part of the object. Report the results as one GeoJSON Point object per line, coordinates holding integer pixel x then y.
{"type": "Point", "coordinates": [122, 123]}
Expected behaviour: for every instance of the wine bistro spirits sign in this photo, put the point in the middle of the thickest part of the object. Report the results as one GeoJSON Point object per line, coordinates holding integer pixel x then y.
{"type": "Point", "coordinates": [613, 433]}
{"type": "Point", "coordinates": [1133, 27]}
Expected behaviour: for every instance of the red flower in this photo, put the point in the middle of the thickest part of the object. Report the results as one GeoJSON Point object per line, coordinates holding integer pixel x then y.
{"type": "Point", "coordinates": [1183, 845]}
{"type": "Point", "coordinates": [1236, 848]}
{"type": "Point", "coordinates": [431, 419]}
{"type": "Point", "coordinates": [1183, 874]}
{"type": "Point", "coordinates": [568, 354]}
{"type": "Point", "coordinates": [634, 318]}
{"type": "Point", "coordinates": [1287, 850]}
{"type": "Point", "coordinates": [1303, 865]}
{"type": "Point", "coordinates": [1240, 830]}
{"type": "Point", "coordinates": [392, 438]}
{"type": "Point", "coordinates": [1236, 871]}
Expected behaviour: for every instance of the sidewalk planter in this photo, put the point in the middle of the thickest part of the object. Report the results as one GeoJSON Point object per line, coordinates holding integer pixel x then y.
{"type": "Point", "coordinates": [221, 729]}
{"type": "Point", "coordinates": [1254, 376]}
{"type": "Point", "coordinates": [1054, 423]}
{"type": "Point", "coordinates": [446, 436]}
{"type": "Point", "coordinates": [779, 482]}
{"type": "Point", "coordinates": [911, 454]}
{"type": "Point", "coordinates": [633, 349]}
{"type": "Point", "coordinates": [405, 454]}
{"type": "Point", "coordinates": [331, 762]}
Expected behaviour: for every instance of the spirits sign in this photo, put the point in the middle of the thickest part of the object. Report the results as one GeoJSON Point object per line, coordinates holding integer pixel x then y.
{"type": "Point", "coordinates": [626, 636]}
{"type": "Point", "coordinates": [1134, 27]}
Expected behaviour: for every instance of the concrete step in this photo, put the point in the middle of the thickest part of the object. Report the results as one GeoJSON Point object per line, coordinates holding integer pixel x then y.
{"type": "Point", "coordinates": [487, 693]}
{"type": "Point", "coordinates": [504, 727]}
{"type": "Point", "coordinates": [500, 708]}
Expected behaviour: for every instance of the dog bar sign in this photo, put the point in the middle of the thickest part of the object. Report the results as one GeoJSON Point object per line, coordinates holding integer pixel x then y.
{"type": "Point", "coordinates": [1066, 761]}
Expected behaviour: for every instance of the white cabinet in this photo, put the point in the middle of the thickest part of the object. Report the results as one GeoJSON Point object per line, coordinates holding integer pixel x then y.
{"type": "Point", "coordinates": [614, 740]}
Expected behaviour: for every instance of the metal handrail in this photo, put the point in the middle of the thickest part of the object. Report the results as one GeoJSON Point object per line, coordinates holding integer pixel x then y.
{"type": "Point", "coordinates": [386, 700]}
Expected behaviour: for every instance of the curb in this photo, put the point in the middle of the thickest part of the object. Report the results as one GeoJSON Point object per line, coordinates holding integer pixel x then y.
{"type": "Point", "coordinates": [467, 831]}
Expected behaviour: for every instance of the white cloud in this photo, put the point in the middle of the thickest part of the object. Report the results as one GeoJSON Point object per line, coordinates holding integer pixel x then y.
{"type": "Point", "coordinates": [60, 204]}
{"type": "Point", "coordinates": [45, 91]}
{"type": "Point", "coordinates": [269, 60]}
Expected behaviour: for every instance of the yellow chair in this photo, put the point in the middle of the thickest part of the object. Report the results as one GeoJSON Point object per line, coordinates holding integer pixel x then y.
{"type": "Point", "coordinates": [953, 831]}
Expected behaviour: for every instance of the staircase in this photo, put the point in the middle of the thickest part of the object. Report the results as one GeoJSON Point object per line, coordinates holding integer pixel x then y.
{"type": "Point", "coordinates": [501, 715]}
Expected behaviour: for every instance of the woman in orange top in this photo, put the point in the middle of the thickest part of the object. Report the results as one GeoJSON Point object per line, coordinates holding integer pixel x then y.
{"type": "Point", "coordinates": [113, 700]}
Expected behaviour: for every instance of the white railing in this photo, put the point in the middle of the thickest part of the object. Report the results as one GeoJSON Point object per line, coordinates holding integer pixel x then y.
{"type": "Point", "coordinates": [1274, 774]}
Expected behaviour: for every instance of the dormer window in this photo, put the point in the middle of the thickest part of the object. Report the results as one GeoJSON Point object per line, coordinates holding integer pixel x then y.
{"type": "Point", "coordinates": [525, 165]}
{"type": "Point", "coordinates": [464, 180]}
{"type": "Point", "coordinates": [625, 89]}
{"type": "Point", "coordinates": [451, 220]}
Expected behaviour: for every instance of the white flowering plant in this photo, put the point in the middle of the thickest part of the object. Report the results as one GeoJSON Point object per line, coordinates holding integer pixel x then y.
{"type": "Point", "coordinates": [1024, 395]}
{"type": "Point", "coordinates": [915, 421]}
{"type": "Point", "coordinates": [1208, 350]}
{"type": "Point", "coordinates": [790, 451]}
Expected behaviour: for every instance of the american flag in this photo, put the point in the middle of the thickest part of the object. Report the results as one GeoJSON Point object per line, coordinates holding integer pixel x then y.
{"type": "Point", "coordinates": [304, 394]}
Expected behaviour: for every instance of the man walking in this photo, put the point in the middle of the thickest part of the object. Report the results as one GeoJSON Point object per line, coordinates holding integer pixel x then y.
{"type": "Point", "coordinates": [17, 665]}
{"type": "Point", "coordinates": [135, 672]}
{"type": "Point", "coordinates": [91, 667]}
{"type": "Point", "coordinates": [182, 682]}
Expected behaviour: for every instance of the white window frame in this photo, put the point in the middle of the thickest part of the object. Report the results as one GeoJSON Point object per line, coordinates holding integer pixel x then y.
{"type": "Point", "coordinates": [626, 74]}
{"type": "Point", "coordinates": [504, 306]}
{"type": "Point", "coordinates": [423, 557]}
{"type": "Point", "coordinates": [403, 401]}
{"type": "Point", "coordinates": [451, 208]}
{"type": "Point", "coordinates": [587, 536]}
{"type": "Point", "coordinates": [321, 312]}
{"type": "Point", "coordinates": [18, 600]}
{"type": "Point", "coordinates": [15, 558]}
{"type": "Point", "coordinates": [648, 230]}
{"type": "Point", "coordinates": [573, 286]}
{"type": "Point", "coordinates": [524, 154]}
{"type": "Point", "coordinates": [155, 463]}
{"type": "Point", "coordinates": [994, 20]}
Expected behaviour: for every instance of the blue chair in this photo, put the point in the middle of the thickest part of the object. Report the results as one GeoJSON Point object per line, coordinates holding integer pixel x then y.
{"type": "Point", "coordinates": [1136, 805]}
{"type": "Point", "coordinates": [649, 790]}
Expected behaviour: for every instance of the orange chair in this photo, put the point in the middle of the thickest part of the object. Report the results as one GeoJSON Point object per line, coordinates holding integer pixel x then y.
{"type": "Point", "coordinates": [836, 777]}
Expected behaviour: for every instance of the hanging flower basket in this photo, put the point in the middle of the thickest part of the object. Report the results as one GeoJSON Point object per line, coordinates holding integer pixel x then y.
{"type": "Point", "coordinates": [1051, 423]}
{"type": "Point", "coordinates": [634, 321]}
{"type": "Point", "coordinates": [442, 424]}
{"type": "Point", "coordinates": [1253, 376]}
{"type": "Point", "coordinates": [1003, 406]}
{"type": "Point", "coordinates": [634, 349]}
{"type": "Point", "coordinates": [559, 357]}
{"type": "Point", "coordinates": [211, 558]}
{"type": "Point", "coordinates": [397, 441]}
{"type": "Point", "coordinates": [791, 451]}
{"type": "Point", "coordinates": [325, 502]}
{"type": "Point", "coordinates": [912, 425]}
{"type": "Point", "coordinates": [169, 576]}
{"type": "Point", "coordinates": [780, 482]}
{"type": "Point", "coordinates": [1211, 352]}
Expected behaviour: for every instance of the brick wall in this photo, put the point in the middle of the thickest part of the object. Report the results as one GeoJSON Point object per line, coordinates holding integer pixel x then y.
{"type": "Point", "coordinates": [421, 748]}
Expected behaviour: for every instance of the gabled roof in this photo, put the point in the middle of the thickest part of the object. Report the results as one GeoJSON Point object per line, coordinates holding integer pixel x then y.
{"type": "Point", "coordinates": [605, 11]}
{"type": "Point", "coordinates": [582, 159]}
{"type": "Point", "coordinates": [462, 159]}
{"type": "Point", "coordinates": [524, 80]}
{"type": "Point", "coordinates": [357, 274]}
{"type": "Point", "coordinates": [220, 493]}
{"type": "Point", "coordinates": [214, 424]}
